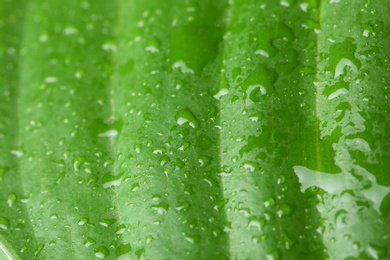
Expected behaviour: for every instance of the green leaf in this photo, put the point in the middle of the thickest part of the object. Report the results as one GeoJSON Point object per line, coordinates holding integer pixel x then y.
{"type": "Point", "coordinates": [194, 129]}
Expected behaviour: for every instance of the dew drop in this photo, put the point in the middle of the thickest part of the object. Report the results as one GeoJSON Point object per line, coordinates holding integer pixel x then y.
{"type": "Point", "coordinates": [89, 242]}
{"type": "Point", "coordinates": [109, 133]}
{"type": "Point", "coordinates": [262, 53]}
{"type": "Point", "coordinates": [183, 67]}
{"type": "Point", "coordinates": [82, 221]}
{"type": "Point", "coordinates": [102, 252]}
{"type": "Point", "coordinates": [11, 200]}
{"type": "Point", "coordinates": [111, 181]}
{"type": "Point", "coordinates": [50, 79]}
{"type": "Point", "coordinates": [107, 222]}
{"type": "Point", "coordinates": [185, 116]}
{"type": "Point", "coordinates": [120, 229]}
{"type": "Point", "coordinates": [3, 171]}
{"type": "Point", "coordinates": [123, 249]}
{"type": "Point", "coordinates": [161, 208]}
{"type": "Point", "coordinates": [256, 223]}
{"type": "Point", "coordinates": [4, 223]}
{"type": "Point", "coordinates": [221, 93]}
{"type": "Point", "coordinates": [38, 250]}
{"type": "Point", "coordinates": [342, 64]}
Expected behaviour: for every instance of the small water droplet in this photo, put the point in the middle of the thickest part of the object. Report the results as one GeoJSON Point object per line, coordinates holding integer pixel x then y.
{"type": "Point", "coordinates": [183, 67]}
{"type": "Point", "coordinates": [120, 229]}
{"type": "Point", "coordinates": [54, 216]}
{"type": "Point", "coordinates": [123, 249]}
{"type": "Point", "coordinates": [376, 251]}
{"type": "Point", "coordinates": [191, 239]}
{"type": "Point", "coordinates": [4, 223]}
{"type": "Point", "coordinates": [111, 181]}
{"type": "Point", "coordinates": [102, 252]}
{"type": "Point", "coordinates": [185, 116]}
{"type": "Point", "coordinates": [82, 221]}
{"type": "Point", "coordinates": [204, 161]}
{"type": "Point", "coordinates": [3, 171]}
{"type": "Point", "coordinates": [183, 206]}
{"type": "Point", "coordinates": [256, 223]}
{"type": "Point", "coordinates": [89, 242]}
{"type": "Point", "coordinates": [250, 166]}
{"type": "Point", "coordinates": [11, 200]}
{"type": "Point", "coordinates": [284, 211]}
{"type": "Point", "coordinates": [270, 202]}
{"type": "Point", "coordinates": [38, 250]}
{"type": "Point", "coordinates": [221, 93]}
{"type": "Point", "coordinates": [50, 79]}
{"type": "Point", "coordinates": [107, 222]}
{"type": "Point", "coordinates": [77, 163]}
{"type": "Point", "coordinates": [161, 208]}
{"type": "Point", "coordinates": [109, 133]}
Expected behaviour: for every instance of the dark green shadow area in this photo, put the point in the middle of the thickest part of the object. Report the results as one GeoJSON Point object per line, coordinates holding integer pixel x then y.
{"type": "Point", "coordinates": [14, 215]}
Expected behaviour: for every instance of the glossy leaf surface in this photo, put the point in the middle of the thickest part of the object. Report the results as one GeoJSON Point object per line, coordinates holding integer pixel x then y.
{"type": "Point", "coordinates": [195, 129]}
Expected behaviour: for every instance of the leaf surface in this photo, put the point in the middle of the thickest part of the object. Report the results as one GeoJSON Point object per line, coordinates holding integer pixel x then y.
{"type": "Point", "coordinates": [194, 129]}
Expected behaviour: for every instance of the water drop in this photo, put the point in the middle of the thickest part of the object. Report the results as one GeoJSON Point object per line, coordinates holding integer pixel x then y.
{"type": "Point", "coordinates": [11, 199]}
{"type": "Point", "coordinates": [38, 250]}
{"type": "Point", "coordinates": [161, 208]}
{"type": "Point", "coordinates": [120, 229]}
{"type": "Point", "coordinates": [182, 66]}
{"type": "Point", "coordinates": [70, 31]}
{"type": "Point", "coordinates": [221, 93]}
{"type": "Point", "coordinates": [191, 239]}
{"type": "Point", "coordinates": [159, 150]}
{"type": "Point", "coordinates": [109, 47]}
{"type": "Point", "coordinates": [377, 252]}
{"type": "Point", "coordinates": [4, 223]}
{"type": "Point", "coordinates": [256, 223]}
{"type": "Point", "coordinates": [3, 171]}
{"type": "Point", "coordinates": [50, 79]}
{"type": "Point", "coordinates": [102, 252]}
{"type": "Point", "coordinates": [185, 116]}
{"type": "Point", "coordinates": [251, 93]}
{"type": "Point", "coordinates": [123, 249]}
{"type": "Point", "coordinates": [108, 163]}
{"type": "Point", "coordinates": [89, 242]}
{"type": "Point", "coordinates": [77, 163]}
{"type": "Point", "coordinates": [270, 202]}
{"type": "Point", "coordinates": [109, 133]}
{"type": "Point", "coordinates": [342, 64]}
{"type": "Point", "coordinates": [262, 53]}
{"type": "Point", "coordinates": [82, 221]}
{"type": "Point", "coordinates": [134, 186]}
{"type": "Point", "coordinates": [331, 183]}
{"type": "Point", "coordinates": [250, 166]}
{"type": "Point", "coordinates": [304, 7]}
{"type": "Point", "coordinates": [284, 211]}
{"type": "Point", "coordinates": [341, 91]}
{"type": "Point", "coordinates": [183, 206]}
{"type": "Point", "coordinates": [111, 181]}
{"type": "Point", "coordinates": [204, 161]}
{"type": "Point", "coordinates": [107, 222]}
